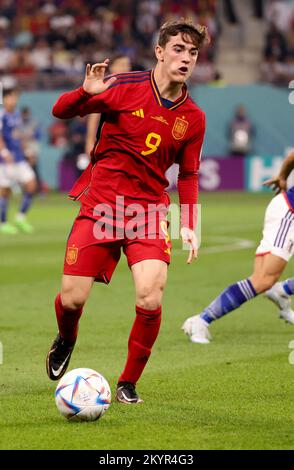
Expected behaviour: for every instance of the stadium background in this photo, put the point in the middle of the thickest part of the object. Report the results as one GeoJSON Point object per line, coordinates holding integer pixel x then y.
{"type": "Point", "coordinates": [236, 394]}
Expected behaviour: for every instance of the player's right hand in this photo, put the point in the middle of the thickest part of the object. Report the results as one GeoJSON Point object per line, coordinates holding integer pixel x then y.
{"type": "Point", "coordinates": [94, 78]}
{"type": "Point", "coordinates": [189, 238]}
{"type": "Point", "coordinates": [277, 184]}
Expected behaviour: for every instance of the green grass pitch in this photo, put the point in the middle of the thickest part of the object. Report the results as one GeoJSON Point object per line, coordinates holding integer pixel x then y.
{"type": "Point", "coordinates": [235, 393]}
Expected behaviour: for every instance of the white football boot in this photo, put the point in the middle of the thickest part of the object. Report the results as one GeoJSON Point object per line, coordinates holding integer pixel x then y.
{"type": "Point", "coordinates": [278, 295]}
{"type": "Point", "coordinates": [197, 330]}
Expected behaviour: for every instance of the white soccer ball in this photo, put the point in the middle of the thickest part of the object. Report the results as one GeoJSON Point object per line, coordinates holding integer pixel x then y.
{"type": "Point", "coordinates": [83, 395]}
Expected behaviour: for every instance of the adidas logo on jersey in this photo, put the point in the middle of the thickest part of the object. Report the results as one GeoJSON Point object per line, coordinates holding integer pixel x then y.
{"type": "Point", "coordinates": [139, 113]}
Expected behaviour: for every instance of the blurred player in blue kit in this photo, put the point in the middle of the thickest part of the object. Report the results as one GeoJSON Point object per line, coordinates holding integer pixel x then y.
{"type": "Point", "coordinates": [272, 255]}
{"type": "Point", "coordinates": [31, 136]}
{"type": "Point", "coordinates": [13, 165]}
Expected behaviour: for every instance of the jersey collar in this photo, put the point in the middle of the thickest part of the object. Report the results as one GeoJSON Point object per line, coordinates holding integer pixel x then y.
{"type": "Point", "coordinates": [157, 96]}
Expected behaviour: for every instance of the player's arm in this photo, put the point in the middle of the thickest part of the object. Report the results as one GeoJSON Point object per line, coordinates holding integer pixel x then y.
{"type": "Point", "coordinates": [92, 125]}
{"type": "Point", "coordinates": [86, 99]}
{"type": "Point", "coordinates": [279, 183]}
{"type": "Point", "coordinates": [5, 154]}
{"type": "Point", "coordinates": [189, 162]}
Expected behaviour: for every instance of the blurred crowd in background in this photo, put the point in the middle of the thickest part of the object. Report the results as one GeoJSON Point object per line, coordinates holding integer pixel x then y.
{"type": "Point", "coordinates": [278, 65]}
{"type": "Point", "coordinates": [47, 43]}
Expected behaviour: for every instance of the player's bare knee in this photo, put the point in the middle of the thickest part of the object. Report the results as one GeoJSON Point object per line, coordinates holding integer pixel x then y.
{"type": "Point", "coordinates": [149, 303]}
{"type": "Point", "coordinates": [73, 300]}
{"type": "Point", "coordinates": [71, 304]}
{"type": "Point", "coordinates": [150, 299]}
{"type": "Point", "coordinates": [5, 192]}
{"type": "Point", "coordinates": [264, 283]}
{"type": "Point", "coordinates": [270, 280]}
{"type": "Point", "coordinates": [31, 186]}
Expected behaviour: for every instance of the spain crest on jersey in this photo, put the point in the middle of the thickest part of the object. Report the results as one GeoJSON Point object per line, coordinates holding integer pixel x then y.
{"type": "Point", "coordinates": [180, 128]}
{"type": "Point", "coordinates": [72, 255]}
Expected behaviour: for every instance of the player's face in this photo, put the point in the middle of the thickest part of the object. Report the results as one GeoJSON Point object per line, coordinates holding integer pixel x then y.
{"type": "Point", "coordinates": [120, 65]}
{"type": "Point", "coordinates": [10, 101]}
{"type": "Point", "coordinates": [178, 58]}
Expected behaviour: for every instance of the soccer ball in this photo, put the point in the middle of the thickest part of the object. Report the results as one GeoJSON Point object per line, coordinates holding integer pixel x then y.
{"type": "Point", "coordinates": [82, 395]}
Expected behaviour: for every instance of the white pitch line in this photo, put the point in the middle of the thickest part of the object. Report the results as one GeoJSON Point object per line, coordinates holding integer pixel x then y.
{"type": "Point", "coordinates": [235, 244]}
{"type": "Point", "coordinates": [240, 245]}
{"type": "Point", "coordinates": [233, 228]}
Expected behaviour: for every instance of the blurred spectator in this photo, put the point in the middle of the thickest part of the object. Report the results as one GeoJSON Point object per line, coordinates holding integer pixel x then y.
{"type": "Point", "coordinates": [230, 11]}
{"type": "Point", "coordinates": [58, 133]}
{"type": "Point", "coordinates": [5, 55]}
{"type": "Point", "coordinates": [8, 9]}
{"type": "Point", "coordinates": [61, 58]}
{"type": "Point", "coordinates": [272, 71]}
{"type": "Point", "coordinates": [77, 131]}
{"type": "Point", "coordinates": [287, 68]}
{"type": "Point", "coordinates": [290, 36]}
{"type": "Point", "coordinates": [280, 14]}
{"type": "Point", "coordinates": [241, 132]}
{"type": "Point", "coordinates": [41, 55]}
{"type": "Point", "coordinates": [75, 153]}
{"type": "Point", "coordinates": [21, 63]}
{"type": "Point", "coordinates": [275, 44]}
{"type": "Point", "coordinates": [217, 80]}
{"type": "Point", "coordinates": [147, 21]}
{"type": "Point", "coordinates": [205, 71]}
{"type": "Point", "coordinates": [277, 66]}
{"type": "Point", "coordinates": [258, 8]}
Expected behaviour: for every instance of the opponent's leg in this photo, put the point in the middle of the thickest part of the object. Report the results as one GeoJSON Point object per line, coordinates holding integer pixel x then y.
{"type": "Point", "coordinates": [278, 238]}
{"type": "Point", "coordinates": [69, 304]}
{"type": "Point", "coordinates": [5, 227]}
{"type": "Point", "coordinates": [29, 190]}
{"type": "Point", "coordinates": [150, 278]}
{"type": "Point", "coordinates": [267, 270]}
{"type": "Point", "coordinates": [197, 327]}
{"type": "Point", "coordinates": [288, 286]}
{"type": "Point", "coordinates": [281, 294]}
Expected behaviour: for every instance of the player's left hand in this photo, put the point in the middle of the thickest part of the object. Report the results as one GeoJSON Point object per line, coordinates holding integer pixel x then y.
{"type": "Point", "coordinates": [189, 237]}
{"type": "Point", "coordinates": [94, 83]}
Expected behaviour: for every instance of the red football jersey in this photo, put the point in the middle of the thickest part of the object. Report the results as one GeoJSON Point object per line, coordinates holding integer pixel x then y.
{"type": "Point", "coordinates": [139, 139]}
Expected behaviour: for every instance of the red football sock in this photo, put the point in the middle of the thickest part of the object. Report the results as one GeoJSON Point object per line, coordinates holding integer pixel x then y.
{"type": "Point", "coordinates": [68, 321]}
{"type": "Point", "coordinates": [143, 335]}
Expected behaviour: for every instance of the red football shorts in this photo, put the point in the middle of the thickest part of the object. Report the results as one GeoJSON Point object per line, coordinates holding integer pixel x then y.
{"type": "Point", "coordinates": [88, 256]}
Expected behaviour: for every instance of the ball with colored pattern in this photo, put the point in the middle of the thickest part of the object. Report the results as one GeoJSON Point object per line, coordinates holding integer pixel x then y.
{"type": "Point", "coordinates": [83, 395]}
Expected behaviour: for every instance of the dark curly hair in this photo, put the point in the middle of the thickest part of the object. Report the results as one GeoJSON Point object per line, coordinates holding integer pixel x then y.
{"type": "Point", "coordinates": [197, 34]}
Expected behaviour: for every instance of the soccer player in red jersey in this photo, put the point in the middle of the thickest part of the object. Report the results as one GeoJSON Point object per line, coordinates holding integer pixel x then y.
{"type": "Point", "coordinates": [148, 122]}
